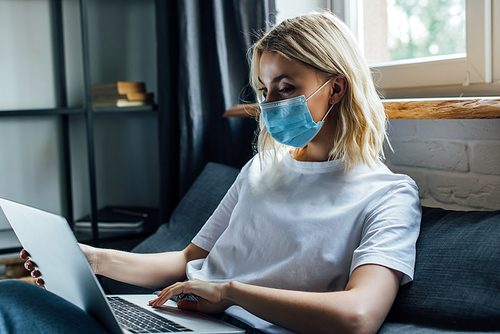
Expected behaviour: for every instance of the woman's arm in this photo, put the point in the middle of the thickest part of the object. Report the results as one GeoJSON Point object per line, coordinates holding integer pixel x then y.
{"type": "Point", "coordinates": [360, 308]}
{"type": "Point", "coordinates": [147, 270]}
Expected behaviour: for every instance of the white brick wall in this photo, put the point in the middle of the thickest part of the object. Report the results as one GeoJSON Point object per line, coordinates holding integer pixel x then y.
{"type": "Point", "coordinates": [455, 163]}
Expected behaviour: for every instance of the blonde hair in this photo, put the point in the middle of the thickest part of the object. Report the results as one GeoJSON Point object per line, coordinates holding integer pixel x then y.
{"type": "Point", "coordinates": [323, 42]}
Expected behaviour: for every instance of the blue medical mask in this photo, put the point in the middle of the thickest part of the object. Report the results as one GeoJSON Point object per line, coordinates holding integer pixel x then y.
{"type": "Point", "coordinates": [290, 122]}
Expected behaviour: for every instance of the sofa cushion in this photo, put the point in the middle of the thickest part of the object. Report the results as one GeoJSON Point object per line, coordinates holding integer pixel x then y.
{"type": "Point", "coordinates": [457, 281]}
{"type": "Point", "coordinates": [192, 212]}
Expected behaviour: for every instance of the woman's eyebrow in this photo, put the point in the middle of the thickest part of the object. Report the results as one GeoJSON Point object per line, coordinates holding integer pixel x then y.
{"type": "Point", "coordinates": [278, 78]}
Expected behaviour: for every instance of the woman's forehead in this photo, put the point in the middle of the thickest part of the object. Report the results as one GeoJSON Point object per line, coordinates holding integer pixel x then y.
{"type": "Point", "coordinates": [273, 65]}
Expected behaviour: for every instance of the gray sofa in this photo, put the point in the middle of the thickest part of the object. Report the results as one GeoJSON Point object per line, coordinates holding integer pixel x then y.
{"type": "Point", "coordinates": [456, 288]}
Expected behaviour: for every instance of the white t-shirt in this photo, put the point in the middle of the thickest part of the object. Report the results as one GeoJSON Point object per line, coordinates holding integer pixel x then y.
{"type": "Point", "coordinates": [306, 226]}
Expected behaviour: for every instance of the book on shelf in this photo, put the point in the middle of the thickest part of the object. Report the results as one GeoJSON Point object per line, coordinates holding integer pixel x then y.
{"type": "Point", "coordinates": [121, 94]}
{"type": "Point", "coordinates": [121, 103]}
{"type": "Point", "coordinates": [118, 88]}
{"type": "Point", "coordinates": [127, 96]}
{"type": "Point", "coordinates": [114, 220]}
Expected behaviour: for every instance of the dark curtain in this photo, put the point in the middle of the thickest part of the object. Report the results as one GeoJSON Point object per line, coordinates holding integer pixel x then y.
{"type": "Point", "coordinates": [203, 71]}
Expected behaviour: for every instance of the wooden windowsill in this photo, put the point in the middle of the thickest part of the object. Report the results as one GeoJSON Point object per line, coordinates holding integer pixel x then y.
{"type": "Point", "coordinates": [458, 108]}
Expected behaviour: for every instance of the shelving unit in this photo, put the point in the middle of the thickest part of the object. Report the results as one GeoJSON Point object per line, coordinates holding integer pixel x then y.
{"type": "Point", "coordinates": [114, 110]}
{"type": "Point", "coordinates": [64, 112]}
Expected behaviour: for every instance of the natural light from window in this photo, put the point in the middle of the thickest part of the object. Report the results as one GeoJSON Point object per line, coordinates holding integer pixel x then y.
{"type": "Point", "coordinates": [415, 43]}
{"type": "Point", "coordinates": [402, 30]}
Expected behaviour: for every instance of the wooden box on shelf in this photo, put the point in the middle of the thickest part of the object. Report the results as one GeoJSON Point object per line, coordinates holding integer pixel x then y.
{"type": "Point", "coordinates": [14, 269]}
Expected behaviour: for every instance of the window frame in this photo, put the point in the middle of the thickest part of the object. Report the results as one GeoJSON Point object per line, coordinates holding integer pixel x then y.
{"type": "Point", "coordinates": [476, 66]}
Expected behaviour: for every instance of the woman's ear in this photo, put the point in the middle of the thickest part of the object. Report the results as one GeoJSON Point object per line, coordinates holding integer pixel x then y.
{"type": "Point", "coordinates": [339, 88]}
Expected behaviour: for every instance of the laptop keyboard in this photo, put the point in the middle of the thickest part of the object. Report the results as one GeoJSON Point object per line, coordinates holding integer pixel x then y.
{"type": "Point", "coordinates": [139, 320]}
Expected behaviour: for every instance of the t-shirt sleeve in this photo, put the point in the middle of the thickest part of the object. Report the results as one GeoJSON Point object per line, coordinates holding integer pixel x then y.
{"type": "Point", "coordinates": [219, 220]}
{"type": "Point", "coordinates": [390, 232]}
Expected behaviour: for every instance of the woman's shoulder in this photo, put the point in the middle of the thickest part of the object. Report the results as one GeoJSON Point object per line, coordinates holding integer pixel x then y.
{"type": "Point", "coordinates": [380, 182]}
{"type": "Point", "coordinates": [380, 173]}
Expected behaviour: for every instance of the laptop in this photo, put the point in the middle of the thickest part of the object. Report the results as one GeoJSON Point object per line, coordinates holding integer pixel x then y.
{"type": "Point", "coordinates": [67, 273]}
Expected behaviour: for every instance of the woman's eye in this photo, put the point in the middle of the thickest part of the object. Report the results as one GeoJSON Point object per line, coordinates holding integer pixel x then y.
{"type": "Point", "coordinates": [286, 90]}
{"type": "Point", "coordinates": [264, 92]}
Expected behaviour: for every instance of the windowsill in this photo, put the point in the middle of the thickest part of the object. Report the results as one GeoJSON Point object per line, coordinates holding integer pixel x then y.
{"type": "Point", "coordinates": [459, 108]}
{"type": "Point", "coordinates": [445, 108]}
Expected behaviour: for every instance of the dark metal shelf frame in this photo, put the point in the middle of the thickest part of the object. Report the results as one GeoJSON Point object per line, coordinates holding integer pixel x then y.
{"type": "Point", "coordinates": [118, 110]}
{"type": "Point", "coordinates": [41, 112]}
{"type": "Point", "coordinates": [63, 111]}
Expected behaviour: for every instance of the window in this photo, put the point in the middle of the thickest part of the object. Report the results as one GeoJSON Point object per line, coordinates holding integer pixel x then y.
{"type": "Point", "coordinates": [412, 44]}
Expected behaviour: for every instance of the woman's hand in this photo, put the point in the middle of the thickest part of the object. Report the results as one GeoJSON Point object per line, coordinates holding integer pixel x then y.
{"type": "Point", "coordinates": [31, 267]}
{"type": "Point", "coordinates": [212, 297]}
{"type": "Point", "coordinates": [90, 254]}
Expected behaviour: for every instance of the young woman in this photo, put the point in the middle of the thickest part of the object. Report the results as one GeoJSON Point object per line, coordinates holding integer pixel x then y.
{"type": "Point", "coordinates": [316, 234]}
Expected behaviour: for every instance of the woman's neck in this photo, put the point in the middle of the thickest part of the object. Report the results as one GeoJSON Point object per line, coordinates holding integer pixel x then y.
{"type": "Point", "coordinates": [309, 153]}
{"type": "Point", "coordinates": [319, 148]}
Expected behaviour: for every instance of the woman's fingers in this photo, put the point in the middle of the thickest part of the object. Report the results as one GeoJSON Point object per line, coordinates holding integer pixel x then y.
{"type": "Point", "coordinates": [31, 266]}
{"type": "Point", "coordinates": [24, 254]}
{"type": "Point", "coordinates": [161, 298]}
{"type": "Point", "coordinates": [167, 293]}
{"type": "Point", "coordinates": [35, 273]}
{"type": "Point", "coordinates": [210, 296]}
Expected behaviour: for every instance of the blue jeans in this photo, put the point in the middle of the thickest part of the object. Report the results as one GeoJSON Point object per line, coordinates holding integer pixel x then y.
{"type": "Point", "coordinates": [26, 308]}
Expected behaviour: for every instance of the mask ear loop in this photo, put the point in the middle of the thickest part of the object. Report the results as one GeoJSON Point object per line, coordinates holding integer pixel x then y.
{"type": "Point", "coordinates": [327, 112]}
{"type": "Point", "coordinates": [317, 90]}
